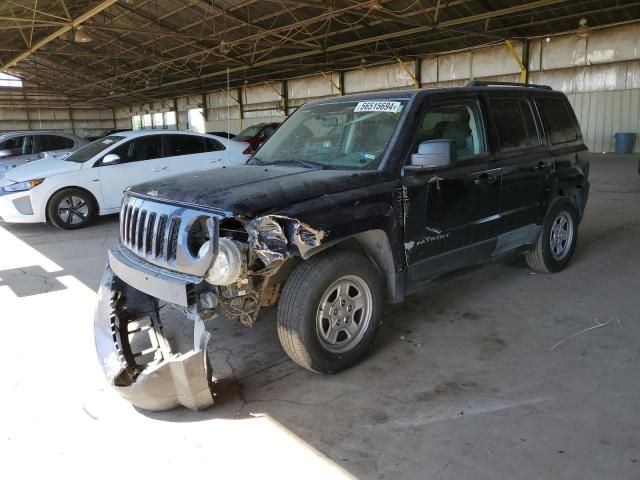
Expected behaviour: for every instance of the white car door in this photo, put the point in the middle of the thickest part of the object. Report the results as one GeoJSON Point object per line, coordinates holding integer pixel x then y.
{"type": "Point", "coordinates": [188, 153]}
{"type": "Point", "coordinates": [140, 161]}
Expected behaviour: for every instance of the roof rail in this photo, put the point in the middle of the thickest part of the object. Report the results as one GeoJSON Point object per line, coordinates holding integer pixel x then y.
{"type": "Point", "coordinates": [480, 83]}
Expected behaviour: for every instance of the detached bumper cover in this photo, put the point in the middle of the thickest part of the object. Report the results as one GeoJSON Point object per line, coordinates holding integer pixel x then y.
{"type": "Point", "coordinates": [171, 379]}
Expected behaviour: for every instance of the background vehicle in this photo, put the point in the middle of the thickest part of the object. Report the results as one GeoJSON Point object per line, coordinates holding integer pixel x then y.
{"type": "Point", "coordinates": [222, 134]}
{"type": "Point", "coordinates": [106, 134]}
{"type": "Point", "coordinates": [17, 148]}
{"type": "Point", "coordinates": [352, 201]}
{"type": "Point", "coordinates": [256, 134]}
{"type": "Point", "coordinates": [69, 192]}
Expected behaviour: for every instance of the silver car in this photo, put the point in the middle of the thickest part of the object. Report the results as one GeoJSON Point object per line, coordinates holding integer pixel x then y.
{"type": "Point", "coordinates": [17, 148]}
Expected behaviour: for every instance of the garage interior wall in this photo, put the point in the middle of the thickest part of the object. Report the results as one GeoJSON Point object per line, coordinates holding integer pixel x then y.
{"type": "Point", "coordinates": [600, 73]}
{"type": "Point", "coordinates": [50, 113]}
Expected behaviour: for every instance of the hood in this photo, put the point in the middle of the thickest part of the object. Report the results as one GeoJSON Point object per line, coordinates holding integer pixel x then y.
{"type": "Point", "coordinates": [245, 189]}
{"type": "Point", "coordinates": [47, 167]}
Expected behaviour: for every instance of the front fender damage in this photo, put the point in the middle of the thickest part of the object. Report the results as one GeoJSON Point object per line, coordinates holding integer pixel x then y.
{"type": "Point", "coordinates": [148, 372]}
{"type": "Point", "coordinates": [274, 238]}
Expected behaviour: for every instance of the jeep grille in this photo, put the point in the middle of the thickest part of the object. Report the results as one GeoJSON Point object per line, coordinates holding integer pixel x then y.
{"type": "Point", "coordinates": [159, 233]}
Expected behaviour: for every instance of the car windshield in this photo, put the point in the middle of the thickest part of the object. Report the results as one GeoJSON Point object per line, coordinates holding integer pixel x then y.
{"type": "Point", "coordinates": [250, 131]}
{"type": "Point", "coordinates": [337, 136]}
{"type": "Point", "coordinates": [94, 148]}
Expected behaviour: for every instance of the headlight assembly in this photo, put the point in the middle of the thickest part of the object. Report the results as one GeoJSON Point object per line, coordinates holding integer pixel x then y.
{"type": "Point", "coordinates": [227, 266]}
{"type": "Point", "coordinates": [22, 186]}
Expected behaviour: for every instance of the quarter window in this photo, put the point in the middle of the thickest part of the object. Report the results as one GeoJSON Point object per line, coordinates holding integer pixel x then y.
{"type": "Point", "coordinates": [459, 122]}
{"type": "Point", "coordinates": [183, 145]}
{"type": "Point", "coordinates": [515, 123]}
{"type": "Point", "coordinates": [54, 142]}
{"type": "Point", "coordinates": [213, 145]}
{"type": "Point", "coordinates": [559, 120]}
{"type": "Point", "coordinates": [143, 148]}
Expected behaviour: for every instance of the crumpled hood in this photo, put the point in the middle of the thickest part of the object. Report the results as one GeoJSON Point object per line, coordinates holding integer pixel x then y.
{"type": "Point", "coordinates": [46, 167]}
{"type": "Point", "coordinates": [245, 189]}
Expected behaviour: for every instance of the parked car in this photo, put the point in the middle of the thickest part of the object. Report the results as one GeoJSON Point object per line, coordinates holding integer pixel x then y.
{"type": "Point", "coordinates": [115, 131]}
{"type": "Point", "coordinates": [256, 135]}
{"type": "Point", "coordinates": [353, 201]}
{"type": "Point", "coordinates": [69, 192]}
{"type": "Point", "coordinates": [17, 148]}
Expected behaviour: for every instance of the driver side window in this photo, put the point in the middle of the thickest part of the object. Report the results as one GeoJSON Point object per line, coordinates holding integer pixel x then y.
{"type": "Point", "coordinates": [138, 149]}
{"type": "Point", "coordinates": [455, 121]}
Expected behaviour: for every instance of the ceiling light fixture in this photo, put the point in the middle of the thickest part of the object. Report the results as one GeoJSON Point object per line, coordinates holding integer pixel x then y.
{"type": "Point", "coordinates": [363, 63]}
{"type": "Point", "coordinates": [80, 36]}
{"type": "Point", "coordinates": [583, 29]}
{"type": "Point", "coordinates": [224, 47]}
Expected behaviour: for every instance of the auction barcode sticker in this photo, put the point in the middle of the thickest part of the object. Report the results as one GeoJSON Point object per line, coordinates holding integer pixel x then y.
{"type": "Point", "coordinates": [378, 106]}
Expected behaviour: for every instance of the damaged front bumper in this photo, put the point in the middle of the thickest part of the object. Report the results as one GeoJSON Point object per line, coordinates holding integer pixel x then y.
{"type": "Point", "coordinates": [145, 370]}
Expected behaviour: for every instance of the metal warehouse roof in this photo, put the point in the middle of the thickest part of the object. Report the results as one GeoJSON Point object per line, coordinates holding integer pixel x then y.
{"type": "Point", "coordinates": [146, 49]}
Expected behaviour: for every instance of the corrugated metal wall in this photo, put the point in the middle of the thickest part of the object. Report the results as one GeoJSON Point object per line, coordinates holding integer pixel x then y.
{"type": "Point", "coordinates": [600, 73]}
{"type": "Point", "coordinates": [602, 114]}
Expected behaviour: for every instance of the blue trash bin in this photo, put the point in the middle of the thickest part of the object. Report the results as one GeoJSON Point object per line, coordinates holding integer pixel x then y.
{"type": "Point", "coordinates": [624, 142]}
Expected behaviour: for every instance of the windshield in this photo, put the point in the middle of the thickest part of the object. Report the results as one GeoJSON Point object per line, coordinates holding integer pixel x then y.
{"type": "Point", "coordinates": [250, 131]}
{"type": "Point", "coordinates": [338, 136]}
{"type": "Point", "coordinates": [94, 148]}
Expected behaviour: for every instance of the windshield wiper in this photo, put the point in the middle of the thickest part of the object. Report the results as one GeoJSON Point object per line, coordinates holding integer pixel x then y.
{"type": "Point", "coordinates": [303, 163]}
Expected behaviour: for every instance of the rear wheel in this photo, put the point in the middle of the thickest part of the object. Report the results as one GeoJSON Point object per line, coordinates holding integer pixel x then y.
{"type": "Point", "coordinates": [71, 209]}
{"type": "Point", "coordinates": [557, 239]}
{"type": "Point", "coordinates": [329, 311]}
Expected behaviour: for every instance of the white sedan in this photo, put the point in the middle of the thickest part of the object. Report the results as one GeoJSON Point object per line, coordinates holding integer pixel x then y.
{"type": "Point", "coordinates": [70, 191]}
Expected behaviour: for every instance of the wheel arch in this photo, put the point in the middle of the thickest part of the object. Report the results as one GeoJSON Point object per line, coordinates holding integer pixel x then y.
{"type": "Point", "coordinates": [71, 187]}
{"type": "Point", "coordinates": [376, 246]}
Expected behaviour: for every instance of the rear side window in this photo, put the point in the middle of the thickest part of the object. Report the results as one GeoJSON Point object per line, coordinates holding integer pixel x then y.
{"type": "Point", "coordinates": [54, 142]}
{"type": "Point", "coordinates": [177, 145]}
{"type": "Point", "coordinates": [212, 145]}
{"type": "Point", "coordinates": [515, 123]}
{"type": "Point", "coordinates": [139, 149]}
{"type": "Point", "coordinates": [559, 121]}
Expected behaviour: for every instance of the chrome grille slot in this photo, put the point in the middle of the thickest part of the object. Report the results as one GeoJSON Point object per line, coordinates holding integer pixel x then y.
{"type": "Point", "coordinates": [172, 238]}
{"type": "Point", "coordinates": [159, 234]}
{"type": "Point", "coordinates": [142, 220]}
{"type": "Point", "coordinates": [132, 228]}
{"type": "Point", "coordinates": [159, 237]}
{"type": "Point", "coordinates": [149, 230]}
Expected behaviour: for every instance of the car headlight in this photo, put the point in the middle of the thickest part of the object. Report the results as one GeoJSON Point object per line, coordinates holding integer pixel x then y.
{"type": "Point", "coordinates": [227, 266]}
{"type": "Point", "coordinates": [21, 186]}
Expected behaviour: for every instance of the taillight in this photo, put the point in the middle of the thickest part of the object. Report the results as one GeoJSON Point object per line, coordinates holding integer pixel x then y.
{"type": "Point", "coordinates": [248, 150]}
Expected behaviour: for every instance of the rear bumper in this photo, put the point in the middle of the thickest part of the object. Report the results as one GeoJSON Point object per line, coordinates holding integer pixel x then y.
{"type": "Point", "coordinates": [170, 378]}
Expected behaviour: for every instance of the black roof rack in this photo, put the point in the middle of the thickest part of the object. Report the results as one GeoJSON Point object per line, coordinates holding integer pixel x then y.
{"type": "Point", "coordinates": [480, 83]}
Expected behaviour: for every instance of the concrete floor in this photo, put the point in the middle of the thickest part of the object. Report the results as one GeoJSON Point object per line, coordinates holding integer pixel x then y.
{"type": "Point", "coordinates": [463, 383]}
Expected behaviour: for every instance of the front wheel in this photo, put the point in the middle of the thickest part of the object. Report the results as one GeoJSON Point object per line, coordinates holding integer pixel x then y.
{"type": "Point", "coordinates": [557, 239]}
{"type": "Point", "coordinates": [71, 209]}
{"type": "Point", "coordinates": [329, 311]}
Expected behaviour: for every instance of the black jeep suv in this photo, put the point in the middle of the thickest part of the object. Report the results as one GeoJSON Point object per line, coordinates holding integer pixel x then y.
{"type": "Point", "coordinates": [354, 200]}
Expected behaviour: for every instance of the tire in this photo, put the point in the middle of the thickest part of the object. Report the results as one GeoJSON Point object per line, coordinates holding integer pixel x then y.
{"type": "Point", "coordinates": [557, 239]}
{"type": "Point", "coordinates": [71, 209]}
{"type": "Point", "coordinates": [328, 340]}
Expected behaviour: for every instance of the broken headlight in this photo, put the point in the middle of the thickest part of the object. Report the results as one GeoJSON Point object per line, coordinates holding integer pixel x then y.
{"type": "Point", "coordinates": [227, 266]}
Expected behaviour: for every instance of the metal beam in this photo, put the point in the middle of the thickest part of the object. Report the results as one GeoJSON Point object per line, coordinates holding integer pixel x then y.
{"type": "Point", "coordinates": [349, 45]}
{"type": "Point", "coordinates": [104, 4]}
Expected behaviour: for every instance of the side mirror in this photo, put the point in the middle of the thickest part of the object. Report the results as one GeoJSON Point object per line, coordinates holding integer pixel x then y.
{"type": "Point", "coordinates": [111, 159]}
{"type": "Point", "coordinates": [433, 154]}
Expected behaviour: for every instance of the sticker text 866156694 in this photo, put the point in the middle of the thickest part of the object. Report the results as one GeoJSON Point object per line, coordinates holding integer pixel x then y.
{"type": "Point", "coordinates": [378, 106]}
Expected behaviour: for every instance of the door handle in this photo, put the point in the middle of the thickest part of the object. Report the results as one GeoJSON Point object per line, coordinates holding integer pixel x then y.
{"type": "Point", "coordinates": [485, 179]}
{"type": "Point", "coordinates": [540, 165]}
{"type": "Point", "coordinates": [159, 169]}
